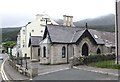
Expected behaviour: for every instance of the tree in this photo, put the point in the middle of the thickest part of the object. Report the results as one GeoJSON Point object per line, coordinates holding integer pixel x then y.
{"type": "Point", "coordinates": [9, 44]}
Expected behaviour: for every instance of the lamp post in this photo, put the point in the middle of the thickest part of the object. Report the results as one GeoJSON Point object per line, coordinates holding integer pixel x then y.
{"type": "Point", "coordinates": [26, 61]}
{"type": "Point", "coordinates": [17, 58]}
{"type": "Point", "coordinates": [21, 62]}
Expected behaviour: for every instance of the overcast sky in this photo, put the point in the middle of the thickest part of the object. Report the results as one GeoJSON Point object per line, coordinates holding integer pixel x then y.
{"type": "Point", "coordinates": [19, 12]}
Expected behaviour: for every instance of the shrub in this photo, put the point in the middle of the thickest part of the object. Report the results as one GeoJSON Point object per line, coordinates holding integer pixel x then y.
{"type": "Point", "coordinates": [92, 58]}
{"type": "Point", "coordinates": [96, 58]}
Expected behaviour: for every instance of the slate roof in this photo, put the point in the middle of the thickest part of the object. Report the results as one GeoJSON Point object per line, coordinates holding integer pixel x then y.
{"type": "Point", "coordinates": [35, 40]}
{"type": "Point", "coordinates": [62, 34]}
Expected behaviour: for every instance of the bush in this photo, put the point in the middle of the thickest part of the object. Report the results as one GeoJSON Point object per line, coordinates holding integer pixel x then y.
{"type": "Point", "coordinates": [96, 58]}
{"type": "Point", "coordinates": [92, 58]}
{"type": "Point", "coordinates": [78, 61]}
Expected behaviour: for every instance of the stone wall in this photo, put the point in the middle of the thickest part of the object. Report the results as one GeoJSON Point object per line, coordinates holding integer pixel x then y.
{"type": "Point", "coordinates": [35, 53]}
{"type": "Point", "coordinates": [54, 51]}
{"type": "Point", "coordinates": [92, 48]}
{"type": "Point", "coordinates": [47, 59]}
{"type": "Point", "coordinates": [56, 54]}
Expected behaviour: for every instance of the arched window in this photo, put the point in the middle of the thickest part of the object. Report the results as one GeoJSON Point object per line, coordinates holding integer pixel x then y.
{"type": "Point", "coordinates": [44, 51]}
{"type": "Point", "coordinates": [98, 51]}
{"type": "Point", "coordinates": [38, 51]}
{"type": "Point", "coordinates": [73, 51]}
{"type": "Point", "coordinates": [63, 52]}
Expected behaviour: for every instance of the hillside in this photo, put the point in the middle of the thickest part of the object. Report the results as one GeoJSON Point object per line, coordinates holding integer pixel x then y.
{"type": "Point", "coordinates": [10, 29]}
{"type": "Point", "coordinates": [9, 34]}
{"type": "Point", "coordinates": [103, 20]}
{"type": "Point", "coordinates": [103, 23]}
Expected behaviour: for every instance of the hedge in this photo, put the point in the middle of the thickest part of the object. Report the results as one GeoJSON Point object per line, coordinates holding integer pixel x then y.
{"type": "Point", "coordinates": [92, 58]}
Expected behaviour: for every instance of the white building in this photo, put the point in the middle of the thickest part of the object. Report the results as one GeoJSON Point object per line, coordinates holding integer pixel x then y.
{"type": "Point", "coordinates": [34, 28]}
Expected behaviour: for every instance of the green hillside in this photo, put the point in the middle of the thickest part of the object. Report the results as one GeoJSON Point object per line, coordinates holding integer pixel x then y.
{"type": "Point", "coordinates": [107, 28]}
{"type": "Point", "coordinates": [9, 34]}
{"type": "Point", "coordinates": [103, 23]}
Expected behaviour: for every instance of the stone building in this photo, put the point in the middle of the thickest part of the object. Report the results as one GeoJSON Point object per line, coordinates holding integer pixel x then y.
{"type": "Point", "coordinates": [34, 47]}
{"type": "Point", "coordinates": [59, 43]}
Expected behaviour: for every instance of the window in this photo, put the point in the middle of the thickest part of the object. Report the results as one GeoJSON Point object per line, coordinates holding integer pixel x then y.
{"type": "Point", "coordinates": [38, 51]}
{"type": "Point", "coordinates": [98, 51]}
{"type": "Point", "coordinates": [24, 32]}
{"type": "Point", "coordinates": [23, 45]}
{"type": "Point", "coordinates": [32, 30]}
{"type": "Point", "coordinates": [44, 51]}
{"type": "Point", "coordinates": [41, 31]}
{"type": "Point", "coordinates": [73, 51]}
{"type": "Point", "coordinates": [63, 52]}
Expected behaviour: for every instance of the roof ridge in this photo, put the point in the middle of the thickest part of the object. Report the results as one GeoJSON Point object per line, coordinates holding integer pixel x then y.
{"type": "Point", "coordinates": [74, 35]}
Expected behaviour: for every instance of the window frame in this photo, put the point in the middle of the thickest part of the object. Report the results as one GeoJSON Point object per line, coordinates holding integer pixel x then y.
{"type": "Point", "coordinates": [63, 52]}
{"type": "Point", "coordinates": [44, 51]}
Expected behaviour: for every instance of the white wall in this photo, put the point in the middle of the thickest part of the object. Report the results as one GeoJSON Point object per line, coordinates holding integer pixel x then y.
{"type": "Point", "coordinates": [36, 28]}
{"type": "Point", "coordinates": [14, 51]}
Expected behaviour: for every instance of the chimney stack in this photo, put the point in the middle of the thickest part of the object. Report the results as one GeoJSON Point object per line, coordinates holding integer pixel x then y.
{"type": "Point", "coordinates": [38, 16]}
{"type": "Point", "coordinates": [68, 20]}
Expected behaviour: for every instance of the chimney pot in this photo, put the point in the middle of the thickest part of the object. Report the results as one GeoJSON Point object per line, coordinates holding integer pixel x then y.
{"type": "Point", "coordinates": [68, 20]}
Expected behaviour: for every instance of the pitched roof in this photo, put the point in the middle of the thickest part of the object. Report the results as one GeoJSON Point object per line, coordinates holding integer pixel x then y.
{"type": "Point", "coordinates": [35, 40]}
{"type": "Point", "coordinates": [62, 34]}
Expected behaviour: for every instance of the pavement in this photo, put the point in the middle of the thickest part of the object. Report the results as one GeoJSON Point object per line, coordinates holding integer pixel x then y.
{"type": "Point", "coordinates": [114, 72]}
{"type": "Point", "coordinates": [9, 73]}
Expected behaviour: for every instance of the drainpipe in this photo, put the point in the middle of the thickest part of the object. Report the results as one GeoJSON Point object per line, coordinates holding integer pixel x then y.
{"type": "Point", "coordinates": [30, 46]}
{"type": "Point", "coordinates": [67, 53]}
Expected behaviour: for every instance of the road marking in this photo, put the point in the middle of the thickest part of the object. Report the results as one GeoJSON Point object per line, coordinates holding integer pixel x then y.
{"type": "Point", "coordinates": [53, 71]}
{"type": "Point", "coordinates": [96, 71]}
{"type": "Point", "coordinates": [4, 76]}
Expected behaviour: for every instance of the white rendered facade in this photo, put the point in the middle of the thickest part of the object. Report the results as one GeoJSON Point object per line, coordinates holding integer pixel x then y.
{"type": "Point", "coordinates": [35, 28]}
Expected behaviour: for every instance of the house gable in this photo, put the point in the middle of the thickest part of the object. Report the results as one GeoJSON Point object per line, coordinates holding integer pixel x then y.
{"type": "Point", "coordinates": [84, 35]}
{"type": "Point", "coordinates": [47, 35]}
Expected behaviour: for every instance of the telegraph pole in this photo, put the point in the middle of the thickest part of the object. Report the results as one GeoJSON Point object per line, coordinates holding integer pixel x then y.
{"type": "Point", "coordinates": [116, 27]}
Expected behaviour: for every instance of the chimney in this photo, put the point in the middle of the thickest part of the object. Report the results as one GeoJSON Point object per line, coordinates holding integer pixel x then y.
{"type": "Point", "coordinates": [38, 16]}
{"type": "Point", "coordinates": [68, 20]}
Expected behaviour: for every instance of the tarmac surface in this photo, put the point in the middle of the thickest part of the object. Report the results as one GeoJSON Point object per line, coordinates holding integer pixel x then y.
{"type": "Point", "coordinates": [63, 72]}
{"type": "Point", "coordinates": [75, 74]}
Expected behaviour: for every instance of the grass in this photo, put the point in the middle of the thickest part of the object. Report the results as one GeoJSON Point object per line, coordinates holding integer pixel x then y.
{"type": "Point", "coordinates": [105, 64]}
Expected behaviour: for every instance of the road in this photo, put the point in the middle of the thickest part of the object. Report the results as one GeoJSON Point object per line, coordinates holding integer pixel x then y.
{"type": "Point", "coordinates": [75, 74]}
{"type": "Point", "coordinates": [4, 56]}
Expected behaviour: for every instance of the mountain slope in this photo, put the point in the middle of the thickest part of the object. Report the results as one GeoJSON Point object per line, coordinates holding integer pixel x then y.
{"type": "Point", "coordinates": [9, 34]}
{"type": "Point", "coordinates": [103, 23]}
{"type": "Point", "coordinates": [103, 20]}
